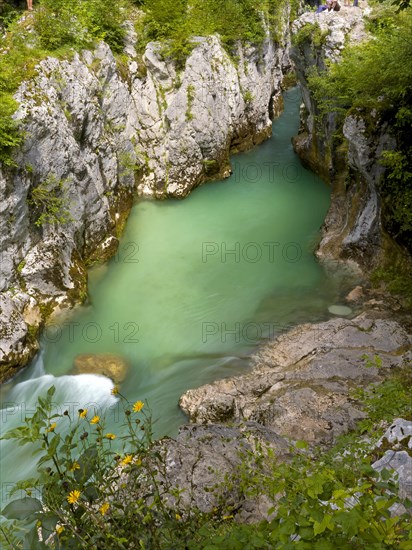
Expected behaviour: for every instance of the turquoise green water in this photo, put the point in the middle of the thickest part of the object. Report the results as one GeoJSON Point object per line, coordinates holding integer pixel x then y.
{"type": "Point", "coordinates": [196, 286]}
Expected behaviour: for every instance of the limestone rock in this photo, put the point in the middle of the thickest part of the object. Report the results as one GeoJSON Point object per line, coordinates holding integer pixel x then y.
{"type": "Point", "coordinates": [107, 364]}
{"type": "Point", "coordinates": [352, 231]}
{"type": "Point", "coordinates": [397, 432]}
{"type": "Point", "coordinates": [17, 343]}
{"type": "Point", "coordinates": [199, 459]}
{"type": "Point", "coordinates": [300, 383]}
{"type": "Point", "coordinates": [398, 460]}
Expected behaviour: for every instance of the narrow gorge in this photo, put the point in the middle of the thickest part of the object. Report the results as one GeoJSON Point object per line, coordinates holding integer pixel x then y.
{"type": "Point", "coordinates": [254, 319]}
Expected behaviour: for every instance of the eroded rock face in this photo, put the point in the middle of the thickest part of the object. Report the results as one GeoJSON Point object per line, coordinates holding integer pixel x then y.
{"type": "Point", "coordinates": [199, 116]}
{"type": "Point", "coordinates": [352, 230]}
{"type": "Point", "coordinates": [17, 344]}
{"type": "Point", "coordinates": [300, 383]}
{"type": "Point", "coordinates": [97, 133]}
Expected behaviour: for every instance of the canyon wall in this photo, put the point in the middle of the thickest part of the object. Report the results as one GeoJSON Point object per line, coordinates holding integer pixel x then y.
{"type": "Point", "coordinates": [352, 232]}
{"type": "Point", "coordinates": [99, 131]}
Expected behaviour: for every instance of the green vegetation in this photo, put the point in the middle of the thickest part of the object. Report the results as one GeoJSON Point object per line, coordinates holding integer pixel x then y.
{"type": "Point", "coordinates": [310, 32]}
{"type": "Point", "coordinates": [58, 28]}
{"type": "Point", "coordinates": [248, 96]}
{"type": "Point", "coordinates": [102, 490]}
{"type": "Point", "coordinates": [10, 136]}
{"type": "Point", "coordinates": [233, 20]}
{"type": "Point", "coordinates": [175, 22]}
{"type": "Point", "coordinates": [190, 98]}
{"type": "Point", "coordinates": [79, 23]}
{"type": "Point", "coordinates": [373, 81]}
{"type": "Point", "coordinates": [54, 28]}
{"type": "Point", "coordinates": [397, 279]}
{"type": "Point", "coordinates": [49, 202]}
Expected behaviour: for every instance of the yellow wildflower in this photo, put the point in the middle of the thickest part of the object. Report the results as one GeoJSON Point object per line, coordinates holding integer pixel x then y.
{"type": "Point", "coordinates": [75, 466]}
{"type": "Point", "coordinates": [73, 496]}
{"type": "Point", "coordinates": [52, 427]}
{"type": "Point", "coordinates": [103, 508]}
{"type": "Point", "coordinates": [178, 517]}
{"type": "Point", "coordinates": [110, 436]}
{"type": "Point", "coordinates": [82, 413]}
{"type": "Point", "coordinates": [95, 419]}
{"type": "Point", "coordinates": [115, 390]}
{"type": "Point", "coordinates": [127, 460]}
{"type": "Point", "coordinates": [59, 529]}
{"type": "Point", "coordinates": [138, 406]}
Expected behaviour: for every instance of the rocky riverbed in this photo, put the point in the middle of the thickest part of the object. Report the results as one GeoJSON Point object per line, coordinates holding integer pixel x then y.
{"type": "Point", "coordinates": [300, 384]}
{"type": "Point", "coordinates": [301, 387]}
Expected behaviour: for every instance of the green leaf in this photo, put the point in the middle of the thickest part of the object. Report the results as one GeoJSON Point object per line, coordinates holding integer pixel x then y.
{"type": "Point", "coordinates": [48, 524]}
{"type": "Point", "coordinates": [31, 540]}
{"type": "Point", "coordinates": [306, 533]}
{"type": "Point", "coordinates": [326, 523]}
{"type": "Point", "coordinates": [53, 445]}
{"type": "Point", "coordinates": [87, 463]}
{"type": "Point", "coordinates": [301, 444]}
{"type": "Point", "coordinates": [22, 508]}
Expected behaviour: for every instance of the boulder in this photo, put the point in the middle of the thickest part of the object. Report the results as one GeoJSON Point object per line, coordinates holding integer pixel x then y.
{"type": "Point", "coordinates": [107, 364]}
{"type": "Point", "coordinates": [355, 295]}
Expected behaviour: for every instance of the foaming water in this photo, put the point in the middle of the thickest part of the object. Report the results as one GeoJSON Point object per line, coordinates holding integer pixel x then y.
{"type": "Point", "coordinates": [72, 392]}
{"type": "Point", "coordinates": [196, 286]}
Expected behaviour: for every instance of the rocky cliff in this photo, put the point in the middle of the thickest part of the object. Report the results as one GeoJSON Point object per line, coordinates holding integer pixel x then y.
{"type": "Point", "coordinates": [99, 131]}
{"type": "Point", "coordinates": [352, 231]}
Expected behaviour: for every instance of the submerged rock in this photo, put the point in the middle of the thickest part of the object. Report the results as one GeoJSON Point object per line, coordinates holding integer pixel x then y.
{"type": "Point", "coordinates": [107, 364]}
{"type": "Point", "coordinates": [340, 310]}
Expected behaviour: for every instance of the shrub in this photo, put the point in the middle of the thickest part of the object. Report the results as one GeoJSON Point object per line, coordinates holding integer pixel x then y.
{"type": "Point", "coordinates": [49, 202]}
{"type": "Point", "coordinates": [10, 135]}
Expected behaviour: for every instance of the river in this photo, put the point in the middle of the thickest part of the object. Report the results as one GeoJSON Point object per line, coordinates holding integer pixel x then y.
{"type": "Point", "coordinates": [196, 287]}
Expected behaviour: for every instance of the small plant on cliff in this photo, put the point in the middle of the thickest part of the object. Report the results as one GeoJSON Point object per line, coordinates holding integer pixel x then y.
{"type": "Point", "coordinates": [49, 202]}
{"type": "Point", "coordinates": [310, 33]}
{"type": "Point", "coordinates": [190, 99]}
{"type": "Point", "coordinates": [10, 135]}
